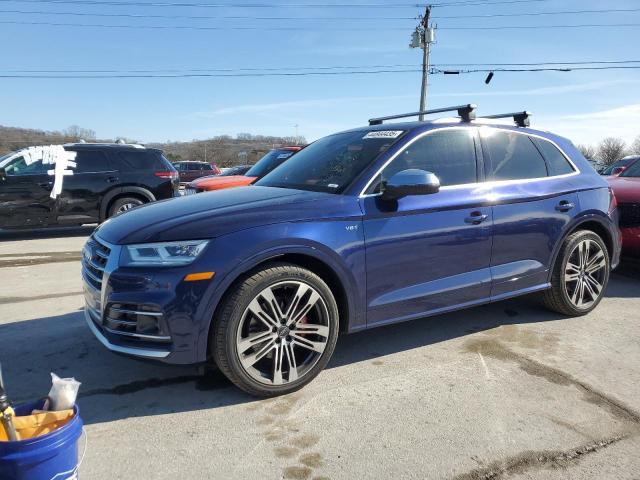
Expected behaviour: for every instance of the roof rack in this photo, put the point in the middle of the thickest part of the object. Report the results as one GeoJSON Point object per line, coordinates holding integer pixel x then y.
{"type": "Point", "coordinates": [522, 119]}
{"type": "Point", "coordinates": [466, 112]}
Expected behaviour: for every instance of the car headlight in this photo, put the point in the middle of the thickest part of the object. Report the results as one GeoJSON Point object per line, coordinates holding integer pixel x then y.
{"type": "Point", "coordinates": [163, 254]}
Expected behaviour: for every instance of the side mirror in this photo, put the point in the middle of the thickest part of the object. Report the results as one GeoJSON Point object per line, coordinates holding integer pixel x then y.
{"type": "Point", "coordinates": [3, 174]}
{"type": "Point", "coordinates": [410, 182]}
{"type": "Point", "coordinates": [617, 170]}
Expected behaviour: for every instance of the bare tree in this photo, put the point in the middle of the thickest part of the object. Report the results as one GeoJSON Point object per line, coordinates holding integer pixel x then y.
{"type": "Point", "coordinates": [588, 151]}
{"type": "Point", "coordinates": [79, 133]}
{"type": "Point", "coordinates": [635, 146]}
{"type": "Point", "coordinates": [611, 150]}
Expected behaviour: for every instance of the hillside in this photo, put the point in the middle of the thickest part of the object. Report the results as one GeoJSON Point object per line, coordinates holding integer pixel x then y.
{"type": "Point", "coordinates": [223, 150]}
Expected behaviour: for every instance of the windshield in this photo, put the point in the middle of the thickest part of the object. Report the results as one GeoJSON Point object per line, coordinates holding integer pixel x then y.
{"type": "Point", "coordinates": [620, 163]}
{"type": "Point", "coordinates": [633, 170]}
{"type": "Point", "coordinates": [4, 157]}
{"type": "Point", "coordinates": [241, 170]}
{"type": "Point", "coordinates": [332, 163]}
{"type": "Point", "coordinates": [267, 163]}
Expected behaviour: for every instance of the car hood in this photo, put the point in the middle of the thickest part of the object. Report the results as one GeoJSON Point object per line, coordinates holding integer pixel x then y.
{"type": "Point", "coordinates": [212, 214]}
{"type": "Point", "coordinates": [218, 183]}
{"type": "Point", "coordinates": [626, 189]}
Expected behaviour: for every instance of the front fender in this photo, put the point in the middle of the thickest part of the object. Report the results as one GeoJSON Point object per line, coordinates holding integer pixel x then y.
{"type": "Point", "coordinates": [329, 242]}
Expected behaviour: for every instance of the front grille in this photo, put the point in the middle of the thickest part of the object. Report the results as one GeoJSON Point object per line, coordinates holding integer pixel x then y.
{"type": "Point", "coordinates": [94, 261]}
{"type": "Point", "coordinates": [629, 215]}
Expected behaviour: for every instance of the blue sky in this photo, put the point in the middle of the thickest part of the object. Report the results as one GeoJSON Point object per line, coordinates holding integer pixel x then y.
{"type": "Point", "coordinates": [583, 105]}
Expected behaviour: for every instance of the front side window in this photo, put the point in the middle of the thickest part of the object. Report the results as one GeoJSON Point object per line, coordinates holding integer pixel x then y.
{"type": "Point", "coordinates": [88, 161]}
{"type": "Point", "coordinates": [557, 163]}
{"type": "Point", "coordinates": [331, 163]}
{"type": "Point", "coordinates": [513, 156]}
{"type": "Point", "coordinates": [449, 154]}
{"type": "Point", "coordinates": [18, 166]}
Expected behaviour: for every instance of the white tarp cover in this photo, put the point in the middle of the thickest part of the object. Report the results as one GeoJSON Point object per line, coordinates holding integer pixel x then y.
{"type": "Point", "coordinates": [54, 155]}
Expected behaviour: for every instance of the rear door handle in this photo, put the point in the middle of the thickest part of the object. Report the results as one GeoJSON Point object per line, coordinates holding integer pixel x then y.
{"type": "Point", "coordinates": [46, 185]}
{"type": "Point", "coordinates": [564, 206]}
{"type": "Point", "coordinates": [476, 218]}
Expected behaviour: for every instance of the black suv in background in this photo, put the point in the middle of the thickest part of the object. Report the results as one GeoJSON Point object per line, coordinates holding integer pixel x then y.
{"type": "Point", "coordinates": [108, 179]}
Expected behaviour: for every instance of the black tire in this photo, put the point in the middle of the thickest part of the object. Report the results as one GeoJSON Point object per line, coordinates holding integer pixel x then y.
{"type": "Point", "coordinates": [120, 203]}
{"type": "Point", "coordinates": [557, 298]}
{"type": "Point", "coordinates": [234, 312]}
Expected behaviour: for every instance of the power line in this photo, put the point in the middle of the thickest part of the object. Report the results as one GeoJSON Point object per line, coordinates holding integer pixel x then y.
{"type": "Point", "coordinates": [314, 18]}
{"type": "Point", "coordinates": [546, 69]}
{"type": "Point", "coordinates": [273, 5]}
{"type": "Point", "coordinates": [228, 28]}
{"type": "Point", "coordinates": [544, 27]}
{"type": "Point", "coordinates": [305, 74]}
{"type": "Point", "coordinates": [493, 66]}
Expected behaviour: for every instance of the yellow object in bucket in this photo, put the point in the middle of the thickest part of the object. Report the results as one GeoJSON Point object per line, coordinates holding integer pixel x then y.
{"type": "Point", "coordinates": [37, 424]}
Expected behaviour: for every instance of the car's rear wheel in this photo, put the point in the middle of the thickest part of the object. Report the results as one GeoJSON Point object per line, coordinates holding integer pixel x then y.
{"type": "Point", "coordinates": [580, 275]}
{"type": "Point", "coordinates": [276, 330]}
{"type": "Point", "coordinates": [122, 205]}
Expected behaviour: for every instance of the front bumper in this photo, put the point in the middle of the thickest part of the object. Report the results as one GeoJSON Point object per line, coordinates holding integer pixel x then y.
{"type": "Point", "coordinates": [134, 351]}
{"type": "Point", "coordinates": [149, 313]}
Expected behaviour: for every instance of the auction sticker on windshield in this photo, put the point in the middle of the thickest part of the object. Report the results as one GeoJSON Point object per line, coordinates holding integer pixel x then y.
{"type": "Point", "coordinates": [384, 134]}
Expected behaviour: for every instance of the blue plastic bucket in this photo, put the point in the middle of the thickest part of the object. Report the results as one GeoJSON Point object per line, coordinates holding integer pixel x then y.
{"type": "Point", "coordinates": [53, 456]}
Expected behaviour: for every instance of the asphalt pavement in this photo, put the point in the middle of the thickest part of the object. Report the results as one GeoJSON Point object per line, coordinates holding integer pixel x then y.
{"type": "Point", "coordinates": [507, 390]}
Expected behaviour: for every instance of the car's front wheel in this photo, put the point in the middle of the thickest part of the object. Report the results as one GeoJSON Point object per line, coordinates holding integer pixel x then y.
{"type": "Point", "coordinates": [276, 330]}
{"type": "Point", "coordinates": [580, 275]}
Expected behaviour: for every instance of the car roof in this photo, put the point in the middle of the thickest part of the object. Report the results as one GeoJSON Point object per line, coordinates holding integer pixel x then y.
{"type": "Point", "coordinates": [417, 126]}
{"type": "Point", "coordinates": [110, 146]}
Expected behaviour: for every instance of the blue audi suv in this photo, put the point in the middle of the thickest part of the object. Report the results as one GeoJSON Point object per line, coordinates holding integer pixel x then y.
{"type": "Point", "coordinates": [372, 226]}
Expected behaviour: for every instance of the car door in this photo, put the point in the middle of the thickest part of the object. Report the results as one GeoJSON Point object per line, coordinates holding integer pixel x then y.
{"type": "Point", "coordinates": [534, 200]}
{"type": "Point", "coordinates": [82, 192]}
{"type": "Point", "coordinates": [25, 191]}
{"type": "Point", "coordinates": [429, 253]}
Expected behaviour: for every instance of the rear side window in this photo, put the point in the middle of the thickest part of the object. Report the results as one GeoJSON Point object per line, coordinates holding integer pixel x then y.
{"type": "Point", "coordinates": [513, 156]}
{"type": "Point", "coordinates": [143, 160]}
{"type": "Point", "coordinates": [556, 161]}
{"type": "Point", "coordinates": [88, 161]}
{"type": "Point", "coordinates": [450, 154]}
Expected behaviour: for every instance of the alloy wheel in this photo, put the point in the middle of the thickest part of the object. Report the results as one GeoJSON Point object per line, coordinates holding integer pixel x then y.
{"type": "Point", "coordinates": [283, 333]}
{"type": "Point", "coordinates": [125, 208]}
{"type": "Point", "coordinates": [585, 274]}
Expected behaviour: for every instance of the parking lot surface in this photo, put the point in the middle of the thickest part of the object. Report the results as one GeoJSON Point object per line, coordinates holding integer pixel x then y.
{"type": "Point", "coordinates": [507, 390]}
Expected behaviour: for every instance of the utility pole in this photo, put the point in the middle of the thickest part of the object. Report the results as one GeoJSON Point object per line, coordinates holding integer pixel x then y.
{"type": "Point", "coordinates": [296, 127]}
{"type": "Point", "coordinates": [423, 37]}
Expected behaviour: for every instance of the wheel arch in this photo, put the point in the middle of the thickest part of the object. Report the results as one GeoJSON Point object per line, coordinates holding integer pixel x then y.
{"type": "Point", "coordinates": [132, 191]}
{"type": "Point", "coordinates": [595, 223]}
{"type": "Point", "coordinates": [305, 257]}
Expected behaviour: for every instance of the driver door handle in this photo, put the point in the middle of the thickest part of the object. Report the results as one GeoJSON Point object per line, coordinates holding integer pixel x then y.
{"type": "Point", "coordinates": [476, 218]}
{"type": "Point", "coordinates": [112, 179]}
{"type": "Point", "coordinates": [46, 185]}
{"type": "Point", "coordinates": [564, 206]}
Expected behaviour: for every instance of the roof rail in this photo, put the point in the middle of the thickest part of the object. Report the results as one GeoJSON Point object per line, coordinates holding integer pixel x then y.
{"type": "Point", "coordinates": [466, 112]}
{"type": "Point", "coordinates": [522, 119]}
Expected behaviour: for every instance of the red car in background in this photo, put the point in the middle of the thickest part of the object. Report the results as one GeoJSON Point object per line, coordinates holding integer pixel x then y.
{"type": "Point", "coordinates": [189, 171]}
{"type": "Point", "coordinates": [626, 188]}
{"type": "Point", "coordinates": [265, 165]}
